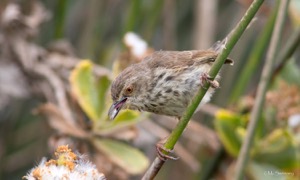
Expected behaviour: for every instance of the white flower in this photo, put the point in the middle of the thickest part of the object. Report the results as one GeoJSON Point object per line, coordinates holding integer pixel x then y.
{"type": "Point", "coordinates": [137, 45]}
{"type": "Point", "coordinates": [68, 165]}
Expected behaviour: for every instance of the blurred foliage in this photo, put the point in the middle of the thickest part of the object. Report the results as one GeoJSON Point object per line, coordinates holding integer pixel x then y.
{"type": "Point", "coordinates": [18, 138]}
{"type": "Point", "coordinates": [230, 128]}
{"type": "Point", "coordinates": [295, 12]}
{"type": "Point", "coordinates": [96, 28]}
{"type": "Point", "coordinates": [85, 90]}
{"type": "Point", "coordinates": [129, 158]}
{"type": "Point", "coordinates": [276, 148]}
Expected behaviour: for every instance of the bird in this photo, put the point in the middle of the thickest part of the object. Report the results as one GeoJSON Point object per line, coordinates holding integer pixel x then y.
{"type": "Point", "coordinates": [165, 82]}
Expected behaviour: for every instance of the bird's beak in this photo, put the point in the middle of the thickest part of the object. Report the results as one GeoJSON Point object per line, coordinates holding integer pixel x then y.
{"type": "Point", "coordinates": [116, 107]}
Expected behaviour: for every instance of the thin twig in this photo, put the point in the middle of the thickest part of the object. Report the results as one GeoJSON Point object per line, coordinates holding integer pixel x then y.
{"type": "Point", "coordinates": [232, 40]}
{"type": "Point", "coordinates": [58, 87]}
{"type": "Point", "coordinates": [262, 87]}
{"type": "Point", "coordinates": [153, 169]}
{"type": "Point", "coordinates": [181, 151]}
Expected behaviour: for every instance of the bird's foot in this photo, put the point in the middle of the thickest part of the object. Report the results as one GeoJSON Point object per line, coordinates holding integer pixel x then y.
{"type": "Point", "coordinates": [213, 83]}
{"type": "Point", "coordinates": [164, 157]}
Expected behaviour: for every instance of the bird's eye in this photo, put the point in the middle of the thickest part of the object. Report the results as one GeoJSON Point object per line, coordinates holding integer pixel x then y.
{"type": "Point", "coordinates": [129, 90]}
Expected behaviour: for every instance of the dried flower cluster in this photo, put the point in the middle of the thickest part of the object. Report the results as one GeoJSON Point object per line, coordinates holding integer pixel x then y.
{"type": "Point", "coordinates": [67, 165]}
{"type": "Point", "coordinates": [285, 99]}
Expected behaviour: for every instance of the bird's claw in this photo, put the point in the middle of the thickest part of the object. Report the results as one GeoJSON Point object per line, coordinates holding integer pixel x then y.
{"type": "Point", "coordinates": [161, 155]}
{"type": "Point", "coordinates": [213, 83]}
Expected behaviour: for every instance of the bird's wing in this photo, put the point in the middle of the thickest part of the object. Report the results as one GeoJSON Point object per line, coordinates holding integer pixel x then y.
{"type": "Point", "coordinates": [208, 56]}
{"type": "Point", "coordinates": [180, 59]}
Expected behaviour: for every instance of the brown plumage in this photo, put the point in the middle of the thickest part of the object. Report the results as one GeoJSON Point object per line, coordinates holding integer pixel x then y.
{"type": "Point", "coordinates": [164, 82]}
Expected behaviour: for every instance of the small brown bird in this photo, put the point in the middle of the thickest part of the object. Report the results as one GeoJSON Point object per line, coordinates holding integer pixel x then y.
{"type": "Point", "coordinates": [164, 82]}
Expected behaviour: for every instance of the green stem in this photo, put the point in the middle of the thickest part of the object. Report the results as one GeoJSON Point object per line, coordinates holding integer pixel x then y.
{"type": "Point", "coordinates": [59, 18]}
{"type": "Point", "coordinates": [152, 21]}
{"type": "Point", "coordinates": [262, 88]}
{"type": "Point", "coordinates": [135, 6]}
{"type": "Point", "coordinates": [234, 37]}
{"type": "Point", "coordinates": [253, 61]}
{"type": "Point", "coordinates": [232, 40]}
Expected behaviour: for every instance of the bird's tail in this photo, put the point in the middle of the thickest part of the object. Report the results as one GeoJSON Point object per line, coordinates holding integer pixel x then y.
{"type": "Point", "coordinates": [219, 45]}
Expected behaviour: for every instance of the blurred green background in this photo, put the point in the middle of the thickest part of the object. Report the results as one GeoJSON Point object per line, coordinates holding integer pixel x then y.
{"type": "Point", "coordinates": [95, 31]}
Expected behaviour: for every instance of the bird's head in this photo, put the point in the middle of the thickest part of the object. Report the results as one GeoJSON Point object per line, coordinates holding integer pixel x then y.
{"type": "Point", "coordinates": [126, 90]}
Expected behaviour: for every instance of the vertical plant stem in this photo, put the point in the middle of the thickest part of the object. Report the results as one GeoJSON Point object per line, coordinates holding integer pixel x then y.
{"type": "Point", "coordinates": [262, 87]}
{"type": "Point", "coordinates": [87, 39]}
{"type": "Point", "coordinates": [205, 23]}
{"type": "Point", "coordinates": [256, 55]}
{"type": "Point", "coordinates": [232, 40]}
{"type": "Point", "coordinates": [135, 6]}
{"type": "Point", "coordinates": [152, 20]}
{"type": "Point", "coordinates": [287, 52]}
{"type": "Point", "coordinates": [59, 18]}
{"type": "Point", "coordinates": [169, 25]}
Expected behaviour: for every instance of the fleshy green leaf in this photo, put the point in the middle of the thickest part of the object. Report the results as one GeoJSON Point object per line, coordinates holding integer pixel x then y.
{"type": "Point", "coordinates": [103, 84]}
{"type": "Point", "coordinates": [92, 95]}
{"type": "Point", "coordinates": [84, 89]}
{"type": "Point", "coordinates": [124, 118]}
{"type": "Point", "coordinates": [228, 126]}
{"type": "Point", "coordinates": [127, 157]}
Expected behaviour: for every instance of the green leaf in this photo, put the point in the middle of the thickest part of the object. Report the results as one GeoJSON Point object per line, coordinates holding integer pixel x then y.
{"type": "Point", "coordinates": [228, 126]}
{"type": "Point", "coordinates": [84, 89]}
{"type": "Point", "coordinates": [92, 95]}
{"type": "Point", "coordinates": [231, 128]}
{"type": "Point", "coordinates": [127, 157]}
{"type": "Point", "coordinates": [278, 149]}
{"type": "Point", "coordinates": [125, 118]}
{"type": "Point", "coordinates": [103, 84]}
